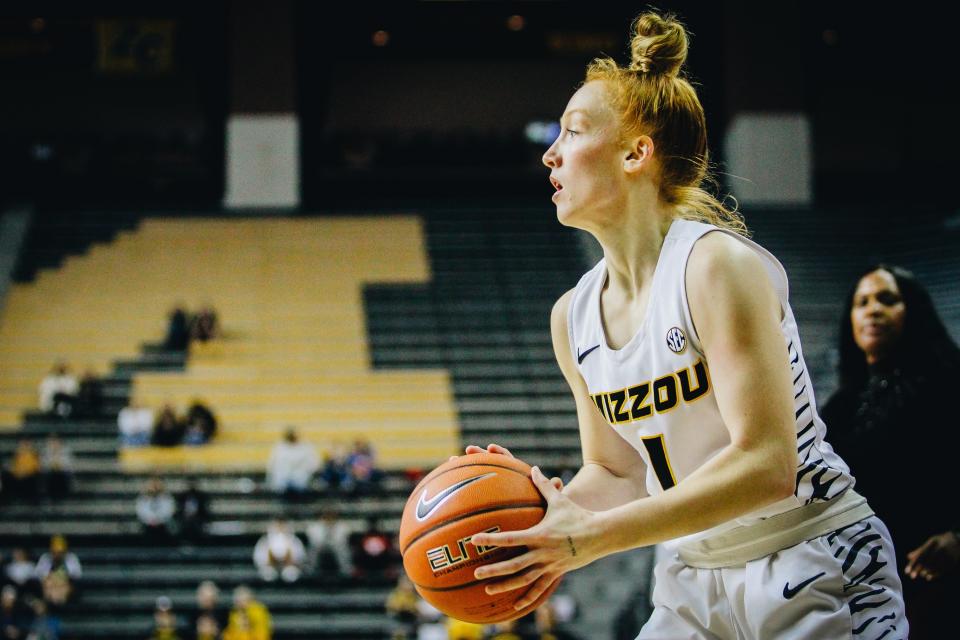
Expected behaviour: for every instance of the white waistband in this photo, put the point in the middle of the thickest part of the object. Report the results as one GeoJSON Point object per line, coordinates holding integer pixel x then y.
{"type": "Point", "coordinates": [742, 544]}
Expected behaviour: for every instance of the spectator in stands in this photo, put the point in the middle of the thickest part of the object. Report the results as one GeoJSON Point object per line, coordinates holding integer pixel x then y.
{"type": "Point", "coordinates": [209, 619]}
{"type": "Point", "coordinates": [460, 630]}
{"type": "Point", "coordinates": [279, 553]}
{"type": "Point", "coordinates": [45, 626]}
{"type": "Point", "coordinates": [178, 330]}
{"type": "Point", "coordinates": [291, 466]}
{"type": "Point", "coordinates": [193, 511]}
{"type": "Point", "coordinates": [201, 424]}
{"type": "Point", "coordinates": [373, 553]}
{"type": "Point", "coordinates": [14, 616]}
{"type": "Point", "coordinates": [897, 372]}
{"type": "Point", "coordinates": [57, 464]}
{"type": "Point", "coordinates": [334, 474]}
{"type": "Point", "coordinates": [329, 545]}
{"type": "Point", "coordinates": [59, 572]}
{"type": "Point", "coordinates": [507, 630]}
{"type": "Point", "coordinates": [58, 391]}
{"type": "Point", "coordinates": [155, 510]}
{"type": "Point", "coordinates": [403, 611]}
{"type": "Point", "coordinates": [90, 395]}
{"type": "Point", "coordinates": [362, 473]}
{"type": "Point", "coordinates": [21, 571]}
{"type": "Point", "coordinates": [168, 429]}
{"type": "Point", "coordinates": [207, 628]}
{"type": "Point", "coordinates": [205, 325]}
{"type": "Point", "coordinates": [136, 424]}
{"type": "Point", "coordinates": [164, 620]}
{"type": "Point", "coordinates": [546, 626]}
{"type": "Point", "coordinates": [248, 618]}
{"type": "Point", "coordinates": [24, 474]}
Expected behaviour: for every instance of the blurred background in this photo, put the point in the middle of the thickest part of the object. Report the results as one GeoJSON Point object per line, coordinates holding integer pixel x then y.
{"type": "Point", "coordinates": [262, 264]}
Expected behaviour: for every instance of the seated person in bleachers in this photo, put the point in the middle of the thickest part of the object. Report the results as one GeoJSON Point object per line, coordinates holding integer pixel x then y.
{"type": "Point", "coordinates": [21, 572]}
{"type": "Point", "coordinates": [155, 510]}
{"type": "Point", "coordinates": [403, 610]}
{"type": "Point", "coordinates": [291, 465]}
{"type": "Point", "coordinates": [15, 617]}
{"type": "Point", "coordinates": [90, 395]}
{"type": "Point", "coordinates": [249, 619]}
{"type": "Point", "coordinates": [58, 391]}
{"type": "Point", "coordinates": [373, 553]}
{"type": "Point", "coordinates": [136, 424]}
{"type": "Point", "coordinates": [362, 473]}
{"type": "Point", "coordinates": [207, 628]}
{"type": "Point", "coordinates": [178, 331]}
{"type": "Point", "coordinates": [334, 474]}
{"type": "Point", "coordinates": [201, 424]}
{"type": "Point", "coordinates": [193, 511]}
{"type": "Point", "coordinates": [329, 545]}
{"type": "Point", "coordinates": [547, 626]}
{"type": "Point", "coordinates": [60, 573]}
{"type": "Point", "coordinates": [205, 325]}
{"type": "Point", "coordinates": [208, 610]}
{"type": "Point", "coordinates": [279, 553]}
{"type": "Point", "coordinates": [45, 625]}
{"type": "Point", "coordinates": [57, 465]}
{"type": "Point", "coordinates": [168, 429]}
{"type": "Point", "coordinates": [164, 621]}
{"type": "Point", "coordinates": [24, 476]}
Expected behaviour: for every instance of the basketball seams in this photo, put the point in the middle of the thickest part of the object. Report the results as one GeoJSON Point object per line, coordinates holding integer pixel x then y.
{"type": "Point", "coordinates": [431, 477]}
{"type": "Point", "coordinates": [464, 516]}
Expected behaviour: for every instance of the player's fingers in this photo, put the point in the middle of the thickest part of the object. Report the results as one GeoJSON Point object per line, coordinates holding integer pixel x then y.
{"type": "Point", "coordinates": [557, 482]}
{"type": "Point", "coordinates": [474, 449]}
{"type": "Point", "coordinates": [502, 539]}
{"type": "Point", "coordinates": [518, 574]}
{"type": "Point", "coordinates": [495, 448]}
{"type": "Point", "coordinates": [538, 589]}
{"type": "Point", "coordinates": [546, 487]}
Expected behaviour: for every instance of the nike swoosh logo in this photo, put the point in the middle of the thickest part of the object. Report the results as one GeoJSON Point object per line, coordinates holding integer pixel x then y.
{"type": "Point", "coordinates": [788, 593]}
{"type": "Point", "coordinates": [581, 356]}
{"type": "Point", "coordinates": [427, 506]}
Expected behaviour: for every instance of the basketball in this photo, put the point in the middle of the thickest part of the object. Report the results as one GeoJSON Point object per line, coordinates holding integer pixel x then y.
{"type": "Point", "coordinates": [462, 497]}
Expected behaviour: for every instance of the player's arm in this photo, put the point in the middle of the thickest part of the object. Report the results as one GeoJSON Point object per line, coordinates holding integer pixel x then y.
{"type": "Point", "coordinates": [737, 316]}
{"type": "Point", "coordinates": [613, 473]}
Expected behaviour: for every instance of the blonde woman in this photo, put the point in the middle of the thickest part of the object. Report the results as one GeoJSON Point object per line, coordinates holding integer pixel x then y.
{"type": "Point", "coordinates": [697, 417]}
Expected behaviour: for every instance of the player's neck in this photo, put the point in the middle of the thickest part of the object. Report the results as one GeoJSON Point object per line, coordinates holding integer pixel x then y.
{"type": "Point", "coordinates": [633, 249]}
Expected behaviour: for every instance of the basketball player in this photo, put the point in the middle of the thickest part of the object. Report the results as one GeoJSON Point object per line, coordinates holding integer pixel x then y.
{"type": "Point", "coordinates": [698, 421]}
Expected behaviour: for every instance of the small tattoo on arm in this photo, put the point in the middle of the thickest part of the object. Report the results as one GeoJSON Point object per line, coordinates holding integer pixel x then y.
{"type": "Point", "coordinates": [573, 549]}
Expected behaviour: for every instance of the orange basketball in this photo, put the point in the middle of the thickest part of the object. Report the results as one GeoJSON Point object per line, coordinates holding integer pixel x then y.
{"type": "Point", "coordinates": [462, 497]}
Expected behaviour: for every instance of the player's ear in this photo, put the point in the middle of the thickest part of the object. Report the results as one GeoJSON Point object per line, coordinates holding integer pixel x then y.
{"type": "Point", "coordinates": [638, 154]}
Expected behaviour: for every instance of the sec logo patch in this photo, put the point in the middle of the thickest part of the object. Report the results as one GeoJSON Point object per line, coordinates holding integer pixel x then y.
{"type": "Point", "coordinates": [676, 340]}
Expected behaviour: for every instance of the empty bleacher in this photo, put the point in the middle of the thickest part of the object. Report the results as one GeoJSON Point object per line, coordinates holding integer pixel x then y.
{"type": "Point", "coordinates": [476, 311]}
{"type": "Point", "coordinates": [480, 323]}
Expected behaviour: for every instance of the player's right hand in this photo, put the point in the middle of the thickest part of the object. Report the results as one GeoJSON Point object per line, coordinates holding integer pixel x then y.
{"type": "Point", "coordinates": [495, 448]}
{"type": "Point", "coordinates": [491, 448]}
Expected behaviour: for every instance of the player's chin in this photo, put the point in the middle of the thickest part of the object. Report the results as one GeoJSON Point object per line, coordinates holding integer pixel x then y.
{"type": "Point", "coordinates": [568, 217]}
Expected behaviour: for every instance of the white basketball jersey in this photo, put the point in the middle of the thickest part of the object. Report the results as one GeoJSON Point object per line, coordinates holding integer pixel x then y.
{"type": "Point", "coordinates": [656, 391]}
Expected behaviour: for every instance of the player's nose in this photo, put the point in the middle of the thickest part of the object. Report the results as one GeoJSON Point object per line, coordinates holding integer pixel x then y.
{"type": "Point", "coordinates": [551, 158]}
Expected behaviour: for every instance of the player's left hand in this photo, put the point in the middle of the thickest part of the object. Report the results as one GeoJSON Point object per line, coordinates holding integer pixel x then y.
{"type": "Point", "coordinates": [935, 557]}
{"type": "Point", "coordinates": [566, 539]}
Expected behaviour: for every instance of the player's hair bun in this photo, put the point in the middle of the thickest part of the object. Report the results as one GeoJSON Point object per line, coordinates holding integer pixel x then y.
{"type": "Point", "coordinates": [659, 45]}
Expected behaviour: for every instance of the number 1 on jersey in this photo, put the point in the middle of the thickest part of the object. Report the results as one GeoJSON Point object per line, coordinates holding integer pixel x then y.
{"type": "Point", "coordinates": [657, 451]}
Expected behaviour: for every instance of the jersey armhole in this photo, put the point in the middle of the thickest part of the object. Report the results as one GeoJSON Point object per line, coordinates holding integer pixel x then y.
{"type": "Point", "coordinates": [571, 338]}
{"type": "Point", "coordinates": [773, 269]}
{"type": "Point", "coordinates": [685, 303]}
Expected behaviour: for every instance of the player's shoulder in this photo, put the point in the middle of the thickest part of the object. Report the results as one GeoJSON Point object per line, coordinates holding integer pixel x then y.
{"type": "Point", "coordinates": [558, 316]}
{"type": "Point", "coordinates": [718, 258]}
